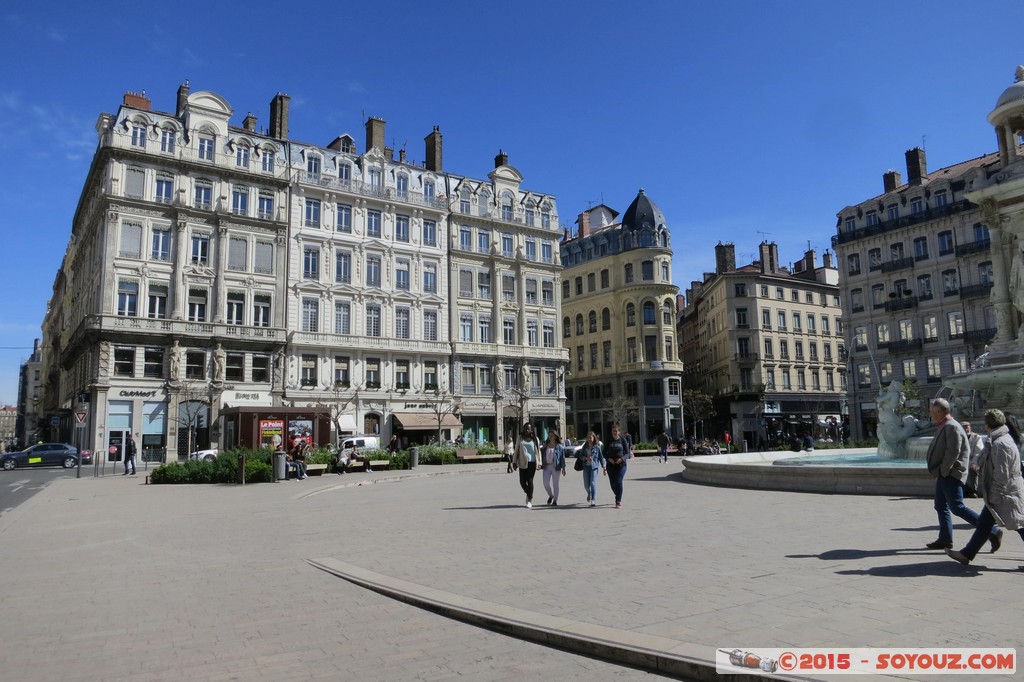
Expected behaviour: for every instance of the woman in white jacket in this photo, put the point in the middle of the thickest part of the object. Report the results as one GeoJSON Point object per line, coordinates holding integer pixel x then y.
{"type": "Point", "coordinates": [1002, 486]}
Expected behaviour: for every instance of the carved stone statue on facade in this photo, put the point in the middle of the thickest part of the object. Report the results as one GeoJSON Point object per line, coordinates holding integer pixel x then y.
{"type": "Point", "coordinates": [175, 365]}
{"type": "Point", "coordinates": [218, 363]}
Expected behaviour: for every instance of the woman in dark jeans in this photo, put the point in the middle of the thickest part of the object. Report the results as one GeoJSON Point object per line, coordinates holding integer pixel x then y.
{"type": "Point", "coordinates": [616, 452]}
{"type": "Point", "coordinates": [527, 456]}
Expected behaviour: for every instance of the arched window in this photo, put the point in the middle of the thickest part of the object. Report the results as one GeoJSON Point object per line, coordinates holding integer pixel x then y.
{"type": "Point", "coordinates": [579, 324]}
{"type": "Point", "coordinates": [606, 319]}
{"type": "Point", "coordinates": [649, 314]}
{"type": "Point", "coordinates": [593, 321]}
{"type": "Point", "coordinates": [629, 272]}
{"type": "Point", "coordinates": [506, 205]}
{"type": "Point", "coordinates": [630, 315]}
{"type": "Point", "coordinates": [667, 313]}
{"type": "Point", "coordinates": [485, 203]}
{"type": "Point", "coordinates": [566, 328]}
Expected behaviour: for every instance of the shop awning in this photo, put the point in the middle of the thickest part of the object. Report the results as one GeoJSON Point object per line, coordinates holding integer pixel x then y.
{"type": "Point", "coordinates": [347, 423]}
{"type": "Point", "coordinates": [422, 421]}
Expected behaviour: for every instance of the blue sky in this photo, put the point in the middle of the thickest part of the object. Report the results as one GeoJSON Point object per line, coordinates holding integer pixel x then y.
{"type": "Point", "coordinates": [742, 120]}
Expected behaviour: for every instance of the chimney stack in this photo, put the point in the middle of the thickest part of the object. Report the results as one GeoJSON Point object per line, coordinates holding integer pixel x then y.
{"type": "Point", "coordinates": [249, 123]}
{"type": "Point", "coordinates": [917, 168]}
{"type": "Point", "coordinates": [501, 159]}
{"type": "Point", "coordinates": [827, 259]}
{"type": "Point", "coordinates": [810, 258]}
{"type": "Point", "coordinates": [725, 258]}
{"type": "Point", "coordinates": [680, 302]}
{"type": "Point", "coordinates": [279, 116]}
{"type": "Point", "coordinates": [584, 223]}
{"type": "Point", "coordinates": [433, 155]}
{"type": "Point", "coordinates": [182, 99]}
{"type": "Point", "coordinates": [891, 180]}
{"type": "Point", "coordinates": [137, 100]}
{"type": "Point", "coordinates": [401, 155]}
{"type": "Point", "coordinates": [375, 134]}
{"type": "Point", "coordinates": [769, 252]}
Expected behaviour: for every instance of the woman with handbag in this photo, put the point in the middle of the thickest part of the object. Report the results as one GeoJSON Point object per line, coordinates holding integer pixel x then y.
{"type": "Point", "coordinates": [527, 457]}
{"type": "Point", "coordinates": [590, 457]}
{"type": "Point", "coordinates": [510, 452]}
{"type": "Point", "coordinates": [619, 450]}
{"type": "Point", "coordinates": [553, 460]}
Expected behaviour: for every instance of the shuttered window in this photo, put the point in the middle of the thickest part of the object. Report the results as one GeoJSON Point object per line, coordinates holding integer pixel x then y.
{"type": "Point", "coordinates": [131, 240]}
{"type": "Point", "coordinates": [135, 182]}
{"type": "Point", "coordinates": [264, 257]}
{"type": "Point", "coordinates": [237, 253]}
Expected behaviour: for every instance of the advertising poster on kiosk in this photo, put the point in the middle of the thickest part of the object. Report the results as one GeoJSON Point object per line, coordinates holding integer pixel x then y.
{"type": "Point", "coordinates": [271, 433]}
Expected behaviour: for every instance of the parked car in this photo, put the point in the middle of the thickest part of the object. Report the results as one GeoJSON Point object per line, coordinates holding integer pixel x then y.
{"type": "Point", "coordinates": [41, 455]}
{"type": "Point", "coordinates": [86, 456]}
{"type": "Point", "coordinates": [205, 455]}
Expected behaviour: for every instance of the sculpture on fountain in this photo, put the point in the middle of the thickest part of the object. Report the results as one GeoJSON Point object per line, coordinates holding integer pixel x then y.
{"type": "Point", "coordinates": [893, 430]}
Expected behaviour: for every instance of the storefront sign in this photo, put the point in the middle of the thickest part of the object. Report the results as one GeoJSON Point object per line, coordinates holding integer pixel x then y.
{"type": "Point", "coordinates": [137, 394]}
{"type": "Point", "coordinates": [246, 398]}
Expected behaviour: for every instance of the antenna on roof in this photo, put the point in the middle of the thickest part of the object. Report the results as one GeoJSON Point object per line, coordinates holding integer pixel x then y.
{"type": "Point", "coordinates": [764, 235]}
{"type": "Point", "coordinates": [923, 145]}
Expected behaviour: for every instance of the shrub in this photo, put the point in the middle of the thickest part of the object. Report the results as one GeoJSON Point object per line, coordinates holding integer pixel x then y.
{"type": "Point", "coordinates": [257, 471]}
{"type": "Point", "coordinates": [488, 448]}
{"type": "Point", "coordinates": [223, 469]}
{"type": "Point", "coordinates": [437, 454]}
{"type": "Point", "coordinates": [400, 459]}
{"type": "Point", "coordinates": [645, 446]}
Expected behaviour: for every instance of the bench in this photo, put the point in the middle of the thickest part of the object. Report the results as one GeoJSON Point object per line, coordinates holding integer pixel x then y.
{"type": "Point", "coordinates": [376, 464]}
{"type": "Point", "coordinates": [471, 456]}
{"type": "Point", "coordinates": [315, 469]}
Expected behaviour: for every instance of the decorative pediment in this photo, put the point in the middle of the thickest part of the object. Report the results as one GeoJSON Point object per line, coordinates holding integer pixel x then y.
{"type": "Point", "coordinates": [210, 103]}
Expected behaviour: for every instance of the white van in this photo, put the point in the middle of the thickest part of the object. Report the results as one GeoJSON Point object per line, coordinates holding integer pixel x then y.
{"type": "Point", "coordinates": [363, 442]}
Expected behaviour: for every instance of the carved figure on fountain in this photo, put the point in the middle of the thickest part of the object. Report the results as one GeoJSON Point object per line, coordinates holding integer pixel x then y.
{"type": "Point", "coordinates": [893, 430]}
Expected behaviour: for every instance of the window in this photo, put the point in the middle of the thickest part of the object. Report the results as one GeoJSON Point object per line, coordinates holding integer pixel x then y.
{"type": "Point", "coordinates": [549, 334]}
{"type": "Point", "coordinates": [882, 332]}
{"type": "Point", "coordinates": [128, 298]}
{"type": "Point", "coordinates": [546, 252]}
{"type": "Point", "coordinates": [131, 240]}
{"type": "Point", "coordinates": [263, 258]}
{"type": "Point", "coordinates": [430, 325]}
{"type": "Point", "coordinates": [200, 248]}
{"type": "Point", "coordinates": [138, 135]}
{"type": "Point", "coordinates": [402, 275]}
{"type": "Point", "coordinates": [795, 295]}
{"type": "Point", "coordinates": [742, 320]}
{"type": "Point", "coordinates": [921, 248]}
{"type": "Point", "coordinates": [606, 319]}
{"type": "Point", "coordinates": [811, 326]}
{"type": "Point", "coordinates": [157, 302]}
{"type": "Point", "coordinates": [195, 365]}
{"type": "Point", "coordinates": [893, 212]}
{"type": "Point", "coordinates": [240, 201]}
{"type": "Point", "coordinates": [429, 233]}
{"type": "Point", "coordinates": [532, 334]}
{"type": "Point", "coordinates": [798, 348]}
{"type": "Point", "coordinates": [430, 278]}
{"type": "Point", "coordinates": [507, 245]}
{"type": "Point", "coordinates": [197, 305]}
{"type": "Point", "coordinates": [310, 314]}
{"type": "Point", "coordinates": [313, 164]}
{"type": "Point", "coordinates": [161, 245]}
{"type": "Point", "coordinates": [402, 374]}
{"type": "Point", "coordinates": [373, 372]}
{"type": "Point", "coordinates": [781, 317]}
{"type": "Point", "coordinates": [878, 295]}
{"type": "Point", "coordinates": [591, 282]}
{"type": "Point", "coordinates": [630, 317]}
{"type": "Point", "coordinates": [234, 367]}
{"type": "Point", "coordinates": [373, 223]}
{"type": "Point", "coordinates": [242, 156]}
{"type": "Point", "coordinates": [466, 327]}
{"type": "Point", "coordinates": [373, 271]}
{"type": "Point", "coordinates": [930, 328]}
{"type": "Point", "coordinates": [402, 228]}
{"type": "Point", "coordinates": [260, 368]}
{"type": "Point", "coordinates": [860, 338]}
{"type": "Point", "coordinates": [238, 253]}
{"type": "Point", "coordinates": [342, 317]}
{"type": "Point", "coordinates": [236, 308]}
{"type": "Point", "coordinates": [206, 148]}
{"type": "Point", "coordinates": [373, 320]}
{"type": "Point", "coordinates": [269, 159]}
{"type": "Point", "coordinates": [824, 325]}
{"type": "Point", "coordinates": [827, 348]}
{"type": "Point", "coordinates": [204, 195]}
{"type": "Point", "coordinates": [430, 375]}
{"type": "Point", "coordinates": [483, 282]}
{"type": "Point", "coordinates": [955, 322]}
{"type": "Point", "coordinates": [628, 272]}
{"type": "Point", "coordinates": [924, 287]}
{"type": "Point", "coordinates": [981, 232]}
{"type": "Point", "coordinates": [265, 206]}
{"type": "Point", "coordinates": [985, 272]}
{"type": "Point", "coordinates": [934, 369]}
{"type": "Point", "coordinates": [508, 287]}
{"type": "Point", "coordinates": [343, 218]}
{"type": "Point", "coordinates": [916, 205]}
{"type": "Point", "coordinates": [531, 291]}
{"type": "Point", "coordinates": [593, 356]}
{"type": "Point", "coordinates": [465, 239]}
{"type": "Point", "coordinates": [906, 330]}
{"type": "Point", "coordinates": [164, 189]}
{"type": "Point", "coordinates": [307, 371]}
{"type": "Point", "coordinates": [312, 213]}
{"type": "Point", "coordinates": [769, 349]}
{"type": "Point", "coordinates": [484, 329]}
{"type": "Point", "coordinates": [261, 311]}
{"type": "Point", "coordinates": [960, 363]}
{"type": "Point", "coordinates": [124, 361]}
{"type": "Point", "coordinates": [311, 262]}
{"type": "Point", "coordinates": [547, 292]}
{"type": "Point", "coordinates": [941, 198]}
{"type": "Point", "coordinates": [950, 285]}
{"type": "Point", "coordinates": [464, 201]}
{"type": "Point", "coordinates": [531, 250]}
{"type": "Point", "coordinates": [647, 270]}
{"type": "Point", "coordinates": [787, 383]}
{"type": "Point", "coordinates": [153, 363]}
{"type": "Point", "coordinates": [428, 191]}
{"type": "Point", "coordinates": [545, 218]}
{"type": "Point", "coordinates": [769, 379]}
{"type": "Point", "coordinates": [343, 267]}
{"type": "Point", "coordinates": [374, 176]}
{"type": "Point", "coordinates": [508, 331]}
{"type": "Point", "coordinates": [402, 186]}
{"type": "Point", "coordinates": [796, 322]}
{"type": "Point", "coordinates": [167, 141]}
{"type": "Point", "coordinates": [851, 224]}
{"type": "Point", "coordinates": [945, 243]}
{"type": "Point", "coordinates": [506, 206]}
{"type": "Point", "coordinates": [466, 283]}
{"type": "Point", "coordinates": [401, 323]}
{"type": "Point", "coordinates": [910, 369]}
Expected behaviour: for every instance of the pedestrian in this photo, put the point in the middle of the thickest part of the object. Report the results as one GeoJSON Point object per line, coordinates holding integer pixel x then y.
{"type": "Point", "coordinates": [616, 453]}
{"type": "Point", "coordinates": [299, 457]}
{"type": "Point", "coordinates": [975, 445]}
{"type": "Point", "coordinates": [553, 460]}
{"type": "Point", "coordinates": [808, 442]}
{"type": "Point", "coordinates": [593, 458]}
{"type": "Point", "coordinates": [663, 447]}
{"type": "Point", "coordinates": [393, 445]}
{"type": "Point", "coordinates": [1001, 485]}
{"type": "Point", "coordinates": [527, 456]}
{"type": "Point", "coordinates": [510, 453]}
{"type": "Point", "coordinates": [948, 460]}
{"type": "Point", "coordinates": [129, 454]}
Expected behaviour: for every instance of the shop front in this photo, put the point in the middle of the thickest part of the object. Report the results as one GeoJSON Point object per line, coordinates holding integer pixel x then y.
{"type": "Point", "coordinates": [272, 427]}
{"type": "Point", "coordinates": [420, 428]}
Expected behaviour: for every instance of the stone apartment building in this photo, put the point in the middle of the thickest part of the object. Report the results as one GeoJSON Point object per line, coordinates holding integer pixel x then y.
{"type": "Point", "coordinates": [217, 274]}
{"type": "Point", "coordinates": [766, 343]}
{"type": "Point", "coordinates": [618, 323]}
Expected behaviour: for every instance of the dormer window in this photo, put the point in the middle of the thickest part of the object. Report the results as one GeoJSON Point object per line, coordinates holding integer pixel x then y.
{"type": "Point", "coordinates": [138, 135]}
{"type": "Point", "coordinates": [313, 164]}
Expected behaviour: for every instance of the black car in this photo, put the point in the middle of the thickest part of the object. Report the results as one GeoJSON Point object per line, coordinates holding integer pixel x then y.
{"type": "Point", "coordinates": [41, 455]}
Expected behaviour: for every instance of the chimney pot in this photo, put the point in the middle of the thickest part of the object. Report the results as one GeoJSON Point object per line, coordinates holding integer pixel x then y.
{"type": "Point", "coordinates": [917, 167]}
{"type": "Point", "coordinates": [432, 162]}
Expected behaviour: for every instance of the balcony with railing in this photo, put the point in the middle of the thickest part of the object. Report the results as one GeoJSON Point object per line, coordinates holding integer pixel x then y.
{"type": "Point", "coordinates": [745, 358]}
{"type": "Point", "coordinates": [973, 336]}
{"type": "Point", "coordinates": [973, 247]}
{"type": "Point", "coordinates": [903, 221]}
{"type": "Point", "coordinates": [183, 328]}
{"type": "Point", "coordinates": [905, 346]}
{"type": "Point", "coordinates": [975, 290]}
{"type": "Point", "coordinates": [900, 303]}
{"type": "Point", "coordinates": [366, 189]}
{"type": "Point", "coordinates": [898, 264]}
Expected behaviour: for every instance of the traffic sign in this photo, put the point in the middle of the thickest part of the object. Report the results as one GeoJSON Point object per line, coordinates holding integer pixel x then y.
{"type": "Point", "coordinates": [55, 421]}
{"type": "Point", "coordinates": [80, 416]}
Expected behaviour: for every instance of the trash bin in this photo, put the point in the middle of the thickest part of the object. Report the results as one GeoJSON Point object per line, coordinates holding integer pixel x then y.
{"type": "Point", "coordinates": [414, 458]}
{"type": "Point", "coordinates": [280, 466]}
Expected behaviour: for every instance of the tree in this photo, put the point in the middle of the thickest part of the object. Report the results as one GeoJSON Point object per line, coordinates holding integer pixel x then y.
{"type": "Point", "coordinates": [193, 409]}
{"type": "Point", "coordinates": [621, 409]}
{"type": "Point", "coordinates": [698, 406]}
{"type": "Point", "coordinates": [342, 397]}
{"type": "Point", "coordinates": [444, 403]}
{"type": "Point", "coordinates": [911, 403]}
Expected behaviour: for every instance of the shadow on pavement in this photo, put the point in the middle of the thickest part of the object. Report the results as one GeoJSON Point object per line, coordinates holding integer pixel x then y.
{"type": "Point", "coordinates": [932, 568]}
{"type": "Point", "coordinates": [847, 554]}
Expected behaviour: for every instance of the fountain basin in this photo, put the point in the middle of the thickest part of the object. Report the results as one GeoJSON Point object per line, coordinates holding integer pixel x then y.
{"type": "Point", "coordinates": [857, 474]}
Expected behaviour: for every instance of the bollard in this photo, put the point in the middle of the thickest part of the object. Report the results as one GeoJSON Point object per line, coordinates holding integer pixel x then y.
{"type": "Point", "coordinates": [241, 468]}
{"type": "Point", "coordinates": [414, 458]}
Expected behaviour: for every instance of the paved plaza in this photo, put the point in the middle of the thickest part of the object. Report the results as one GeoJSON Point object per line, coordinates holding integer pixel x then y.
{"type": "Point", "coordinates": [112, 579]}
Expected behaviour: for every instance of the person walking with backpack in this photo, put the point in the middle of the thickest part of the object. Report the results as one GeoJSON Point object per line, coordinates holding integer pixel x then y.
{"type": "Point", "coordinates": [617, 451]}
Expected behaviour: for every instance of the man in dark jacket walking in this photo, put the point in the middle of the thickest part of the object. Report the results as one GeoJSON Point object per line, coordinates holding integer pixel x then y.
{"type": "Point", "coordinates": [129, 454]}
